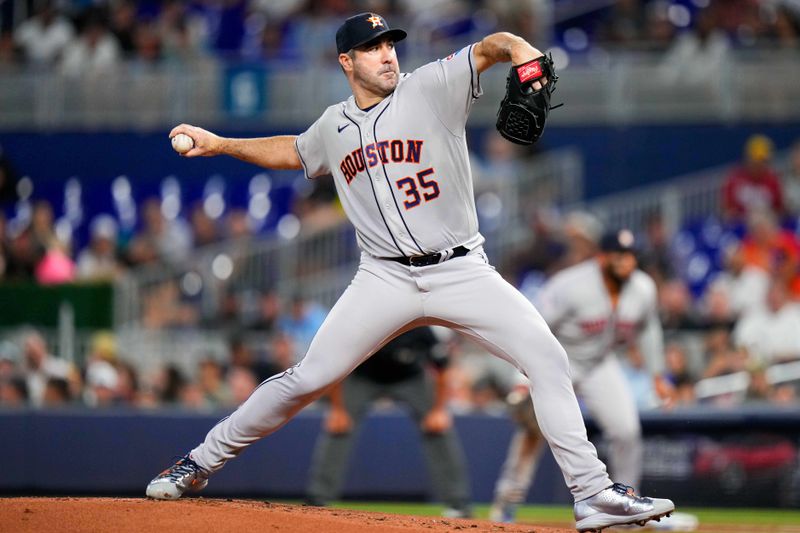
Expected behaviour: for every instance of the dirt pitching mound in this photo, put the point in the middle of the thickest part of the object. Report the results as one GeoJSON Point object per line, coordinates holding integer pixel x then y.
{"type": "Point", "coordinates": [132, 515]}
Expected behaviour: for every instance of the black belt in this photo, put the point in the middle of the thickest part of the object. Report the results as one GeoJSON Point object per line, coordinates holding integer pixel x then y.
{"type": "Point", "coordinates": [430, 259]}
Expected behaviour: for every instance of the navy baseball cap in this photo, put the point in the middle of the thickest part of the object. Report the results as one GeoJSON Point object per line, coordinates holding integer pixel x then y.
{"type": "Point", "coordinates": [360, 29]}
{"type": "Point", "coordinates": [618, 241]}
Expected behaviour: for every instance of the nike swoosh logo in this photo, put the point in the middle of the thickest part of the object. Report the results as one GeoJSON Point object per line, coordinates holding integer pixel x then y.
{"type": "Point", "coordinates": [340, 128]}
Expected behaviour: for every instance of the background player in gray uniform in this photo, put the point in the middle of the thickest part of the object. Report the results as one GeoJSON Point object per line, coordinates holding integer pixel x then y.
{"type": "Point", "coordinates": [397, 371]}
{"type": "Point", "coordinates": [397, 151]}
{"type": "Point", "coordinates": [595, 307]}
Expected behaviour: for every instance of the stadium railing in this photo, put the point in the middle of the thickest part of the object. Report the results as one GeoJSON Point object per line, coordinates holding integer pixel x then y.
{"type": "Point", "coordinates": [606, 87]}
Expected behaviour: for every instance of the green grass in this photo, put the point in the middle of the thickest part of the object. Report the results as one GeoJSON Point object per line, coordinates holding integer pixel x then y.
{"type": "Point", "coordinates": [552, 514]}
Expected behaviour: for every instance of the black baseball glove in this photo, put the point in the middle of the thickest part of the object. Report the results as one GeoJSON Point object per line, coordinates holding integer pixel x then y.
{"type": "Point", "coordinates": [523, 111]}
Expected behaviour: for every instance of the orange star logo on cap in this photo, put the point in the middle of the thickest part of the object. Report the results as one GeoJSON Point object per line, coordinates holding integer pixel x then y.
{"type": "Point", "coordinates": [375, 20]}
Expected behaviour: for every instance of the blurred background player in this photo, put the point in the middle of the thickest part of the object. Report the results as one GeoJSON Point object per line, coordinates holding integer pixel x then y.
{"type": "Point", "coordinates": [597, 308]}
{"type": "Point", "coordinates": [396, 371]}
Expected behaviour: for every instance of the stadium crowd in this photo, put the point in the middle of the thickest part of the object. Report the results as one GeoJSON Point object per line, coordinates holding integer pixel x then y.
{"type": "Point", "coordinates": [742, 319]}
{"type": "Point", "coordinates": [77, 37]}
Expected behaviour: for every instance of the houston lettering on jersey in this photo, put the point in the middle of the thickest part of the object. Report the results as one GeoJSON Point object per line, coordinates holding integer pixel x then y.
{"type": "Point", "coordinates": [394, 151]}
{"type": "Point", "coordinates": [624, 331]}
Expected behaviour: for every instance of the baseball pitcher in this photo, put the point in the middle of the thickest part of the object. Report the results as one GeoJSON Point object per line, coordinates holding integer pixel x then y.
{"type": "Point", "coordinates": [397, 151]}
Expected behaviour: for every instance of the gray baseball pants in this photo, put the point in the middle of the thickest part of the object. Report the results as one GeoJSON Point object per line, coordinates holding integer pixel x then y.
{"type": "Point", "coordinates": [387, 298]}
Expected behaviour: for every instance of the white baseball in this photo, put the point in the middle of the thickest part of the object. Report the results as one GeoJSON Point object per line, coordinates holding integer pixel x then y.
{"type": "Point", "coordinates": [182, 143]}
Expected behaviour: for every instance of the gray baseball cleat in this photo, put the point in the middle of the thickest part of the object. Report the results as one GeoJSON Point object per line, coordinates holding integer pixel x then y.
{"type": "Point", "coordinates": [175, 480]}
{"type": "Point", "coordinates": [618, 505]}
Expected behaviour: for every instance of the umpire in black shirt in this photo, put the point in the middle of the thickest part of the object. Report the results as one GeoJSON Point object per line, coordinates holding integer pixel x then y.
{"type": "Point", "coordinates": [397, 371]}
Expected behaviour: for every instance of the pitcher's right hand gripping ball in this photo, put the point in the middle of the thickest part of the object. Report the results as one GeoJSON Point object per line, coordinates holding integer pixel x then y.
{"type": "Point", "coordinates": [523, 111]}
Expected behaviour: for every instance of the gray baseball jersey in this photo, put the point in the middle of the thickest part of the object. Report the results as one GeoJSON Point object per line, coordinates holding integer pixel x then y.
{"type": "Point", "coordinates": [396, 174]}
{"type": "Point", "coordinates": [577, 306]}
{"type": "Point", "coordinates": [402, 173]}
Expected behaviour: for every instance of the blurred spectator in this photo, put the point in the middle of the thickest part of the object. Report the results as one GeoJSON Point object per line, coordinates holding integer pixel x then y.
{"type": "Point", "coordinates": [237, 225]}
{"type": "Point", "coordinates": [95, 51]}
{"type": "Point", "coordinates": [55, 267]}
{"type": "Point", "coordinates": [169, 382]}
{"type": "Point", "coordinates": [785, 32]}
{"type": "Point", "coordinates": [697, 58]}
{"type": "Point", "coordinates": [761, 390]}
{"type": "Point", "coordinates": [242, 356]}
{"type": "Point", "coordinates": [191, 397]}
{"type": "Point", "coordinates": [159, 239]}
{"type": "Point", "coordinates": [127, 384]}
{"type": "Point", "coordinates": [791, 181]}
{"type": "Point", "coordinates": [268, 310]}
{"type": "Point", "coordinates": [545, 255]}
{"type": "Point", "coordinates": [123, 26]}
{"type": "Point", "coordinates": [744, 286]}
{"type": "Point", "coordinates": [241, 382]}
{"type": "Point", "coordinates": [640, 379]}
{"type": "Point", "coordinates": [716, 308]}
{"type": "Point", "coordinates": [660, 29]}
{"type": "Point", "coordinates": [13, 392]}
{"type": "Point", "coordinates": [180, 38]}
{"type": "Point", "coordinates": [45, 36]}
{"type": "Point", "coordinates": [753, 186]}
{"type": "Point", "coordinates": [677, 373]}
{"type": "Point", "coordinates": [9, 359]}
{"type": "Point", "coordinates": [721, 357]}
{"type": "Point", "coordinates": [147, 43]}
{"type": "Point", "coordinates": [40, 366]}
{"type": "Point", "coordinates": [625, 23]}
{"type": "Point", "coordinates": [10, 57]}
{"type": "Point", "coordinates": [487, 396]}
{"type": "Point", "coordinates": [771, 248]}
{"type": "Point", "coordinates": [212, 383]}
{"type": "Point", "coordinates": [318, 207]}
{"type": "Point", "coordinates": [98, 261]}
{"type": "Point", "coordinates": [165, 305]}
{"type": "Point", "coordinates": [282, 353]}
{"type": "Point", "coordinates": [771, 333]}
{"type": "Point", "coordinates": [582, 231]}
{"type": "Point", "coordinates": [675, 304]}
{"type": "Point", "coordinates": [302, 321]}
{"type": "Point", "coordinates": [656, 257]}
{"type": "Point", "coordinates": [204, 228]}
{"type": "Point", "coordinates": [498, 164]}
{"type": "Point", "coordinates": [56, 393]}
{"type": "Point", "coordinates": [27, 247]}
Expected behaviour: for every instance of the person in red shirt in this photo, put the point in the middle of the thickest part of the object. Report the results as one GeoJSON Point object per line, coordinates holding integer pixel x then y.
{"type": "Point", "coordinates": [754, 185]}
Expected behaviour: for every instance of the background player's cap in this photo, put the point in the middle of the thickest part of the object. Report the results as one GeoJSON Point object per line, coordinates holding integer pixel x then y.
{"type": "Point", "coordinates": [618, 241]}
{"type": "Point", "coordinates": [363, 28]}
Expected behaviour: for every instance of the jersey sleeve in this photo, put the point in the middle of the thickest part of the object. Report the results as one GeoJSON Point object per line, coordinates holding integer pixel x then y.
{"type": "Point", "coordinates": [450, 86]}
{"type": "Point", "coordinates": [310, 146]}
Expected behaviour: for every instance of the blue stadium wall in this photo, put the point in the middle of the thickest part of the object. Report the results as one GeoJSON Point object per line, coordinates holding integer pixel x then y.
{"type": "Point", "coordinates": [734, 457]}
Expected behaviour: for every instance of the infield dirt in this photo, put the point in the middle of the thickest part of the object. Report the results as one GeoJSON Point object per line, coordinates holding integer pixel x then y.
{"type": "Point", "coordinates": [132, 515]}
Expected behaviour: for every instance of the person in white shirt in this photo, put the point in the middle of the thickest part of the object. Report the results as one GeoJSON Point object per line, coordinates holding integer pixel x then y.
{"type": "Point", "coordinates": [44, 36]}
{"type": "Point", "coordinates": [771, 333]}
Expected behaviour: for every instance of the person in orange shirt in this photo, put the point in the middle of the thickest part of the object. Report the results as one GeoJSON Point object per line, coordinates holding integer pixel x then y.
{"type": "Point", "coordinates": [773, 249]}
